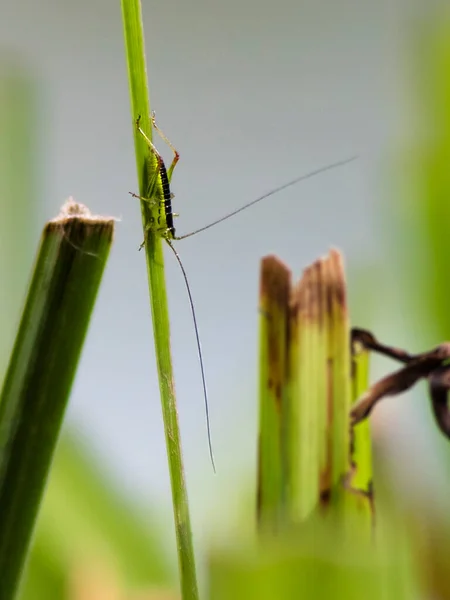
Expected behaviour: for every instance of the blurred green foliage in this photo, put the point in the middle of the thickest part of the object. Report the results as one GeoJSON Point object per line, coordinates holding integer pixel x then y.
{"type": "Point", "coordinates": [421, 207]}
{"type": "Point", "coordinates": [84, 521]}
{"type": "Point", "coordinates": [19, 167]}
{"type": "Point", "coordinates": [315, 561]}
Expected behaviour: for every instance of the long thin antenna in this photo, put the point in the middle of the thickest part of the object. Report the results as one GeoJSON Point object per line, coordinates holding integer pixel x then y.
{"type": "Point", "coordinates": [268, 194]}
{"type": "Point", "coordinates": [199, 349]}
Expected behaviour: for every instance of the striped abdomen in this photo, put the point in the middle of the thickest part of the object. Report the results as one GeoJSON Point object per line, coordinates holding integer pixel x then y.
{"type": "Point", "coordinates": [167, 196]}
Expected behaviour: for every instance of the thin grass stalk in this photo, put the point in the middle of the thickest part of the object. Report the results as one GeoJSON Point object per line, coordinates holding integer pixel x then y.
{"type": "Point", "coordinates": [140, 105]}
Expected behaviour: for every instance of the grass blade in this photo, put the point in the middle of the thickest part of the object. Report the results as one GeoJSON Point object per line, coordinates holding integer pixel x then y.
{"type": "Point", "coordinates": [135, 54]}
{"type": "Point", "coordinates": [67, 275]}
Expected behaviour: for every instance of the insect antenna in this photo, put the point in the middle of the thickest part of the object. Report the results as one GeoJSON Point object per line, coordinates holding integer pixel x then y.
{"type": "Point", "coordinates": [199, 351]}
{"type": "Point", "coordinates": [268, 194]}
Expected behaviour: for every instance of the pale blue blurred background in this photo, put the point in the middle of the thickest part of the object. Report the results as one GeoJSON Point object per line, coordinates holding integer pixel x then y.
{"type": "Point", "coordinates": [252, 94]}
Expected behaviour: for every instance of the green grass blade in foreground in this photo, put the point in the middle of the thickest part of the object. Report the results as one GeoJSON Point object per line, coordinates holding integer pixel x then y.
{"type": "Point", "coordinates": [67, 275]}
{"type": "Point", "coordinates": [313, 563]}
{"type": "Point", "coordinates": [274, 310]}
{"type": "Point", "coordinates": [137, 73]}
{"type": "Point", "coordinates": [87, 524]}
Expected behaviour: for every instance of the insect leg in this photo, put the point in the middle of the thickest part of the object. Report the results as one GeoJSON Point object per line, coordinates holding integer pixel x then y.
{"type": "Point", "coordinates": [156, 173]}
{"type": "Point", "coordinates": [158, 177]}
{"type": "Point", "coordinates": [176, 155]}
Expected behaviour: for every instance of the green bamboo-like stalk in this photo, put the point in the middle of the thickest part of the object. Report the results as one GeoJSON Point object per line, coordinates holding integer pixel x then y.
{"type": "Point", "coordinates": [340, 360]}
{"type": "Point", "coordinates": [325, 414]}
{"type": "Point", "coordinates": [140, 106]}
{"type": "Point", "coordinates": [318, 551]}
{"type": "Point", "coordinates": [274, 311]}
{"type": "Point", "coordinates": [67, 275]}
{"type": "Point", "coordinates": [302, 444]}
{"type": "Point", "coordinates": [351, 459]}
{"type": "Point", "coordinates": [314, 469]}
{"type": "Point", "coordinates": [361, 479]}
{"type": "Point", "coordinates": [320, 379]}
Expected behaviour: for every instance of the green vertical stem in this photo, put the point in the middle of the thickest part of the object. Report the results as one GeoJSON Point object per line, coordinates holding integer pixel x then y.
{"type": "Point", "coordinates": [139, 97]}
{"type": "Point", "coordinates": [292, 407]}
{"type": "Point", "coordinates": [303, 475]}
{"type": "Point", "coordinates": [314, 373]}
{"type": "Point", "coordinates": [323, 408]}
{"type": "Point", "coordinates": [361, 473]}
{"type": "Point", "coordinates": [316, 426]}
{"type": "Point", "coordinates": [273, 309]}
{"type": "Point", "coordinates": [340, 367]}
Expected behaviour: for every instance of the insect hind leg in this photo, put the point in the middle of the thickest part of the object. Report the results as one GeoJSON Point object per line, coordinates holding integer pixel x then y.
{"type": "Point", "coordinates": [176, 155]}
{"type": "Point", "coordinates": [155, 174]}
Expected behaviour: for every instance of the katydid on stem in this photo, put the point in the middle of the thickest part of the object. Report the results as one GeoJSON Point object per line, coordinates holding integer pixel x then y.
{"type": "Point", "coordinates": [159, 197]}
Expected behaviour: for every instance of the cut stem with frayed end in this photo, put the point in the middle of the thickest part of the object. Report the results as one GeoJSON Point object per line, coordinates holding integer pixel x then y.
{"type": "Point", "coordinates": [67, 275]}
{"type": "Point", "coordinates": [320, 383]}
{"type": "Point", "coordinates": [274, 314]}
{"type": "Point", "coordinates": [305, 393]}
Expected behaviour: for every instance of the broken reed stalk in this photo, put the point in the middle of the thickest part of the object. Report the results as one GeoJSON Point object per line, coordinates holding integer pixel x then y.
{"type": "Point", "coordinates": [69, 266]}
{"type": "Point", "coordinates": [305, 395]}
{"type": "Point", "coordinates": [274, 313]}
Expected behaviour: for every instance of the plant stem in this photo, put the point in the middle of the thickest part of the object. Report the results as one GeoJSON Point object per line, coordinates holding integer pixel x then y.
{"type": "Point", "coordinates": [274, 314]}
{"type": "Point", "coordinates": [67, 275]}
{"type": "Point", "coordinates": [146, 165]}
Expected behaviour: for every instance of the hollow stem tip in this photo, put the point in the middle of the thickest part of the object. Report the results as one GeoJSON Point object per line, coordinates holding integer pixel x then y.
{"type": "Point", "coordinates": [76, 224]}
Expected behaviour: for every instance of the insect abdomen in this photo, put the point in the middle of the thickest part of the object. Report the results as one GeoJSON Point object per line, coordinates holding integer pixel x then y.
{"type": "Point", "coordinates": [167, 196]}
